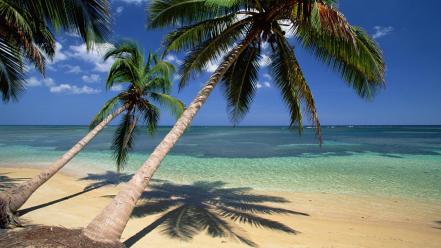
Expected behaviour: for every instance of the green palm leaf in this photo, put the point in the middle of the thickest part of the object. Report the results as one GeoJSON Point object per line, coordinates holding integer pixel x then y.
{"type": "Point", "coordinates": [210, 50]}
{"type": "Point", "coordinates": [191, 36]}
{"type": "Point", "coordinates": [26, 27]}
{"type": "Point", "coordinates": [150, 114]}
{"type": "Point", "coordinates": [105, 111]}
{"type": "Point", "coordinates": [292, 83]}
{"type": "Point", "coordinates": [175, 106]}
{"type": "Point", "coordinates": [12, 82]}
{"type": "Point", "coordinates": [240, 83]}
{"type": "Point", "coordinates": [164, 13]}
{"type": "Point", "coordinates": [359, 60]}
{"type": "Point", "coordinates": [123, 139]}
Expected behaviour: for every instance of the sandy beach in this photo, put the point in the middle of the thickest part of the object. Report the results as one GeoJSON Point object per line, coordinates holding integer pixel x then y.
{"type": "Point", "coordinates": [325, 220]}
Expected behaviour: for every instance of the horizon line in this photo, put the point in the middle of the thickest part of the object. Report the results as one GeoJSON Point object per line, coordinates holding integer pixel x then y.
{"type": "Point", "coordinates": [305, 126]}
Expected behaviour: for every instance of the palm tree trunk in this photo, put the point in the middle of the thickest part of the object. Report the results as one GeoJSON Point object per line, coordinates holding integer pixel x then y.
{"type": "Point", "coordinates": [108, 226]}
{"type": "Point", "coordinates": [12, 199]}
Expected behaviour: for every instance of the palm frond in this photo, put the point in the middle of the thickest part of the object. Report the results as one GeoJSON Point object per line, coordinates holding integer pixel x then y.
{"type": "Point", "coordinates": [164, 13]}
{"type": "Point", "coordinates": [161, 84]}
{"type": "Point", "coordinates": [28, 34]}
{"type": "Point", "coordinates": [12, 81]}
{"type": "Point", "coordinates": [121, 71]}
{"type": "Point", "coordinates": [123, 139]}
{"type": "Point", "coordinates": [128, 65]}
{"type": "Point", "coordinates": [188, 37]}
{"type": "Point", "coordinates": [105, 111]}
{"type": "Point", "coordinates": [88, 18]}
{"type": "Point", "coordinates": [210, 50]}
{"type": "Point", "coordinates": [360, 63]}
{"type": "Point", "coordinates": [295, 89]}
{"type": "Point", "coordinates": [321, 16]}
{"type": "Point", "coordinates": [175, 106]}
{"type": "Point", "coordinates": [282, 77]}
{"type": "Point", "coordinates": [125, 49]}
{"type": "Point", "coordinates": [150, 114]}
{"type": "Point", "coordinates": [240, 83]}
{"type": "Point", "coordinates": [161, 69]}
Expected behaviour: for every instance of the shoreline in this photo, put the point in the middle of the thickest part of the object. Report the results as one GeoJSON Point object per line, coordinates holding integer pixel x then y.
{"type": "Point", "coordinates": [75, 171]}
{"type": "Point", "coordinates": [336, 220]}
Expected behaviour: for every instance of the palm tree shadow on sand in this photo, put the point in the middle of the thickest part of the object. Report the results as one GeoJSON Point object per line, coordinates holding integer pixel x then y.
{"type": "Point", "coordinates": [98, 181]}
{"type": "Point", "coordinates": [8, 182]}
{"type": "Point", "coordinates": [207, 206]}
{"type": "Point", "coordinates": [438, 223]}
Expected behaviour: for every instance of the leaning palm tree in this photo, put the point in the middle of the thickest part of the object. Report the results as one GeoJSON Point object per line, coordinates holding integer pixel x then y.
{"type": "Point", "coordinates": [148, 81]}
{"type": "Point", "coordinates": [26, 34]}
{"type": "Point", "coordinates": [237, 28]}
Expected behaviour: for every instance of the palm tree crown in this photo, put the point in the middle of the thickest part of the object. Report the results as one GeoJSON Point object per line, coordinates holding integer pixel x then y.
{"type": "Point", "coordinates": [148, 81]}
{"type": "Point", "coordinates": [210, 28]}
{"type": "Point", "coordinates": [26, 34]}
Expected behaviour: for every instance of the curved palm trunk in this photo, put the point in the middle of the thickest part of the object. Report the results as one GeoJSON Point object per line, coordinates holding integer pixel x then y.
{"type": "Point", "coordinates": [108, 226]}
{"type": "Point", "coordinates": [12, 199]}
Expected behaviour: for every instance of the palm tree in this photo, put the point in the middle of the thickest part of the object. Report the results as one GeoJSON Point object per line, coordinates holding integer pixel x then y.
{"type": "Point", "coordinates": [148, 80]}
{"type": "Point", "coordinates": [26, 34]}
{"type": "Point", "coordinates": [238, 28]}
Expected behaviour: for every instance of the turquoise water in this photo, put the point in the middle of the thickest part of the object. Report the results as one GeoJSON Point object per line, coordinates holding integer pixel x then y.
{"type": "Point", "coordinates": [398, 161]}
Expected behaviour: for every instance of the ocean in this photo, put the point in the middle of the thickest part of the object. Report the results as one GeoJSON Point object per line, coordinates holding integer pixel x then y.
{"type": "Point", "coordinates": [389, 161]}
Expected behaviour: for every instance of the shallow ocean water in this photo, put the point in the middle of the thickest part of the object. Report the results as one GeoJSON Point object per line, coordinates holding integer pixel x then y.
{"type": "Point", "coordinates": [397, 161]}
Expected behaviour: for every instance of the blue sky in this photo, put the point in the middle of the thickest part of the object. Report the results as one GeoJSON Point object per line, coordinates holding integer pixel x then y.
{"type": "Point", "coordinates": [408, 32]}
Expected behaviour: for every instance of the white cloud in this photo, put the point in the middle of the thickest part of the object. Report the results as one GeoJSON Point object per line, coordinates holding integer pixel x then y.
{"type": "Point", "coordinates": [59, 54]}
{"type": "Point", "coordinates": [117, 87]}
{"type": "Point", "coordinates": [381, 31]}
{"type": "Point", "coordinates": [176, 77]}
{"type": "Point", "coordinates": [74, 35]}
{"type": "Point", "coordinates": [72, 89]}
{"type": "Point", "coordinates": [93, 78]}
{"type": "Point", "coordinates": [48, 82]}
{"type": "Point", "coordinates": [172, 59]}
{"type": "Point", "coordinates": [119, 9]}
{"type": "Point", "coordinates": [94, 56]}
{"type": "Point", "coordinates": [61, 88]}
{"type": "Point", "coordinates": [265, 61]}
{"type": "Point", "coordinates": [212, 66]}
{"type": "Point", "coordinates": [261, 85]}
{"type": "Point", "coordinates": [267, 76]}
{"type": "Point", "coordinates": [75, 69]}
{"type": "Point", "coordinates": [287, 27]}
{"type": "Point", "coordinates": [33, 82]}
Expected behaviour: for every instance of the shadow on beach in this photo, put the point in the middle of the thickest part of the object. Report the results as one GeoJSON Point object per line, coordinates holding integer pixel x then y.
{"type": "Point", "coordinates": [99, 180]}
{"type": "Point", "coordinates": [7, 182]}
{"type": "Point", "coordinates": [439, 224]}
{"type": "Point", "coordinates": [188, 210]}
{"type": "Point", "coordinates": [109, 178]}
